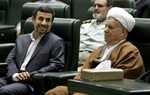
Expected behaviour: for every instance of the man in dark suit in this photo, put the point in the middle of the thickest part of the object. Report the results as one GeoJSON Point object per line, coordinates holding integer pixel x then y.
{"type": "Point", "coordinates": [143, 7]}
{"type": "Point", "coordinates": [38, 52]}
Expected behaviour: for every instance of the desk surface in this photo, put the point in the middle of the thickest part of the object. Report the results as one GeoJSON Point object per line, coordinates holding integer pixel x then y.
{"type": "Point", "coordinates": [120, 87]}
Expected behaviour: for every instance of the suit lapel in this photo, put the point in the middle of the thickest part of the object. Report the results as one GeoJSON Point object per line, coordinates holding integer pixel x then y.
{"type": "Point", "coordinates": [40, 45]}
{"type": "Point", "coordinates": [26, 42]}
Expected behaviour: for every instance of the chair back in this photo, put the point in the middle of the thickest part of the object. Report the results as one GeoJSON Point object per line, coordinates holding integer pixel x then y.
{"type": "Point", "coordinates": [66, 1]}
{"type": "Point", "coordinates": [79, 8]}
{"type": "Point", "coordinates": [3, 11]}
{"type": "Point", "coordinates": [123, 3]}
{"type": "Point", "coordinates": [69, 30]}
{"type": "Point", "coordinates": [5, 48]}
{"type": "Point", "coordinates": [7, 34]}
{"type": "Point", "coordinates": [61, 10]}
{"type": "Point", "coordinates": [140, 37]}
{"type": "Point", "coordinates": [132, 11]}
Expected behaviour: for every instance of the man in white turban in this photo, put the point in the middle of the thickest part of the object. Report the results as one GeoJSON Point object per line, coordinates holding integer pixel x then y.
{"type": "Point", "coordinates": [123, 17]}
{"type": "Point", "coordinates": [121, 53]}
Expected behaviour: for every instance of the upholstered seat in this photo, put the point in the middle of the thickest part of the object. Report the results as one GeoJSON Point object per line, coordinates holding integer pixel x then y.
{"type": "Point", "coordinates": [66, 1]}
{"type": "Point", "coordinates": [4, 51]}
{"type": "Point", "coordinates": [123, 3]}
{"type": "Point", "coordinates": [132, 11]}
{"type": "Point", "coordinates": [3, 11]}
{"type": "Point", "coordinates": [61, 10]}
{"type": "Point", "coordinates": [7, 34]}
{"type": "Point", "coordinates": [79, 8]}
{"type": "Point", "coordinates": [140, 37]}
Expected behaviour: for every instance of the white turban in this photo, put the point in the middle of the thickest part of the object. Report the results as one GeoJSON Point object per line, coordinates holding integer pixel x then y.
{"type": "Point", "coordinates": [123, 17]}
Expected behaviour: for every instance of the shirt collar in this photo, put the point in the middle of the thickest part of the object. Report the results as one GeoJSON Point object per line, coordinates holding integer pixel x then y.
{"type": "Point", "coordinates": [116, 43]}
{"type": "Point", "coordinates": [33, 39]}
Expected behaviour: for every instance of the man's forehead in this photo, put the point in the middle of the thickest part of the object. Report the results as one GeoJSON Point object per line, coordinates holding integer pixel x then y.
{"type": "Point", "coordinates": [102, 2]}
{"type": "Point", "coordinates": [43, 13]}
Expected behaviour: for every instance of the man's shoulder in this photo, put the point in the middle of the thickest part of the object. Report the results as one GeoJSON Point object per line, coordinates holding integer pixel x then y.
{"type": "Point", "coordinates": [23, 36]}
{"type": "Point", "coordinates": [127, 45]}
{"type": "Point", "coordinates": [52, 36]}
{"type": "Point", "coordinates": [87, 21]}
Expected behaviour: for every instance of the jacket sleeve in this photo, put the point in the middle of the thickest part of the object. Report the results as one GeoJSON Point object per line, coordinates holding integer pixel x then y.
{"type": "Point", "coordinates": [10, 60]}
{"type": "Point", "coordinates": [56, 59]}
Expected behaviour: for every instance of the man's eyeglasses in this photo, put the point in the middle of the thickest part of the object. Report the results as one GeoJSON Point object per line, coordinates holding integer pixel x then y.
{"type": "Point", "coordinates": [98, 5]}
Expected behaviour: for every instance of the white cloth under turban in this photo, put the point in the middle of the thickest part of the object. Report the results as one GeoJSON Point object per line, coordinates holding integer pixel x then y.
{"type": "Point", "coordinates": [123, 17]}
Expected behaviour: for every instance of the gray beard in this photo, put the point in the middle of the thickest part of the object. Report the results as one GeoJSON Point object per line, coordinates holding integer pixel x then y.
{"type": "Point", "coordinates": [97, 15]}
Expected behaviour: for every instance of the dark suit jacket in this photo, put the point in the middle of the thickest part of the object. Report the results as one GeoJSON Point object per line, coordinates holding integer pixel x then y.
{"type": "Point", "coordinates": [48, 56]}
{"type": "Point", "coordinates": [143, 8]}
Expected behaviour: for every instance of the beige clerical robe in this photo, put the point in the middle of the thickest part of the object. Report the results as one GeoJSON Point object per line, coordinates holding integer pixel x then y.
{"type": "Point", "coordinates": [125, 56]}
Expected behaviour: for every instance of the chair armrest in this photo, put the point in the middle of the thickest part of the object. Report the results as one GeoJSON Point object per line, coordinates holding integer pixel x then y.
{"type": "Point", "coordinates": [3, 69]}
{"type": "Point", "coordinates": [59, 78]}
{"type": "Point", "coordinates": [45, 81]}
{"type": "Point", "coordinates": [39, 83]}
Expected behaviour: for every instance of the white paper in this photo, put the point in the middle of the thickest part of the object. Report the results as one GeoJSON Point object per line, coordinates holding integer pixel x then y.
{"type": "Point", "coordinates": [105, 65]}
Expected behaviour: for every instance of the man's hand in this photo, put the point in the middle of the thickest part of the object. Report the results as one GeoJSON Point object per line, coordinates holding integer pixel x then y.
{"type": "Point", "coordinates": [23, 76]}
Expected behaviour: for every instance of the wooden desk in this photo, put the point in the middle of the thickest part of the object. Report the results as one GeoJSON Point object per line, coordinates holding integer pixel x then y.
{"type": "Point", "coordinates": [121, 87]}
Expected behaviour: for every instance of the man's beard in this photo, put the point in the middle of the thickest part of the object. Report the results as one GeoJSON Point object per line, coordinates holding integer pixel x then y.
{"type": "Point", "coordinates": [98, 16]}
{"type": "Point", "coordinates": [43, 32]}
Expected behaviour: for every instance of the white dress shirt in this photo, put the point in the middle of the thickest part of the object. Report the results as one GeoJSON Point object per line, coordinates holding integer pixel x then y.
{"type": "Point", "coordinates": [91, 35]}
{"type": "Point", "coordinates": [29, 53]}
{"type": "Point", "coordinates": [106, 53]}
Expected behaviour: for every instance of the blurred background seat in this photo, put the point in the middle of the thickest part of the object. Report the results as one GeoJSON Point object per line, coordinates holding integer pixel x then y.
{"type": "Point", "coordinates": [14, 11]}
{"type": "Point", "coordinates": [4, 5]}
{"type": "Point", "coordinates": [132, 11]}
{"type": "Point", "coordinates": [66, 1]}
{"type": "Point", "coordinates": [123, 3]}
{"type": "Point", "coordinates": [7, 34]}
{"type": "Point", "coordinates": [79, 8]}
{"type": "Point", "coordinates": [61, 10]}
{"type": "Point", "coordinates": [5, 48]}
{"type": "Point", "coordinates": [140, 37]}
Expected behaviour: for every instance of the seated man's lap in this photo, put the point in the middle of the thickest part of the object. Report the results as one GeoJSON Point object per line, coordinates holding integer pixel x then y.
{"type": "Point", "coordinates": [62, 90]}
{"type": "Point", "coordinates": [59, 90]}
{"type": "Point", "coordinates": [16, 88]}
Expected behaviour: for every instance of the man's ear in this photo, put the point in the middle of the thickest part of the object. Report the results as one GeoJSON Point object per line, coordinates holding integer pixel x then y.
{"type": "Point", "coordinates": [124, 33]}
{"type": "Point", "coordinates": [33, 19]}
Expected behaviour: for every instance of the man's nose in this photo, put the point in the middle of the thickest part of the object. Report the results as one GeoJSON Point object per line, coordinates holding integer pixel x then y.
{"type": "Point", "coordinates": [96, 7]}
{"type": "Point", "coordinates": [105, 29]}
{"type": "Point", "coordinates": [43, 22]}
